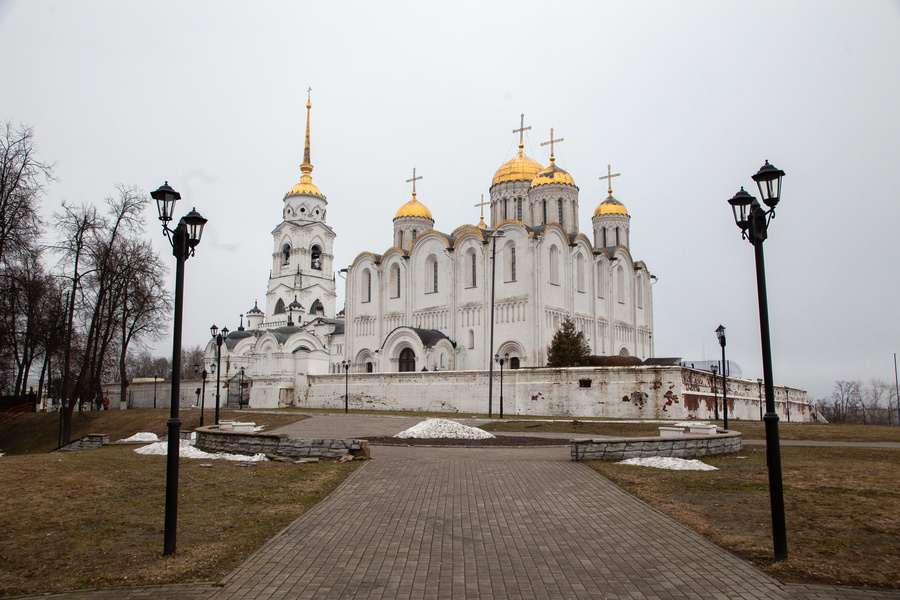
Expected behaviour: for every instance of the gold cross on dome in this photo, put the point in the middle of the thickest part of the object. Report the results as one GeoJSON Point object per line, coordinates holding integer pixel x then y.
{"type": "Point", "coordinates": [551, 142]}
{"type": "Point", "coordinates": [413, 180]}
{"type": "Point", "coordinates": [609, 175]}
{"type": "Point", "coordinates": [308, 94]}
{"type": "Point", "coordinates": [482, 204]}
{"type": "Point", "coordinates": [521, 131]}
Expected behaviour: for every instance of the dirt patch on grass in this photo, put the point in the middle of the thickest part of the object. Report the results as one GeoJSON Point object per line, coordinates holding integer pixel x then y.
{"type": "Point", "coordinates": [95, 518]}
{"type": "Point", "coordinates": [841, 506]}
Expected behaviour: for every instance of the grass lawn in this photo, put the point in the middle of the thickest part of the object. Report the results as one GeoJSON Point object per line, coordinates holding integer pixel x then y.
{"type": "Point", "coordinates": [95, 518]}
{"type": "Point", "coordinates": [841, 509]}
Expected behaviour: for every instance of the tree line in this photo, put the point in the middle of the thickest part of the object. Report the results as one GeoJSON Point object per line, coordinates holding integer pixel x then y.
{"type": "Point", "coordinates": [74, 307]}
{"type": "Point", "coordinates": [872, 403]}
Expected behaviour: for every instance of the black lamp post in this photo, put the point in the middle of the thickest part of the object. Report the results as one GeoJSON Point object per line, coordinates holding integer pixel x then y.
{"type": "Point", "coordinates": [501, 360]}
{"type": "Point", "coordinates": [759, 383]}
{"type": "Point", "coordinates": [715, 372]}
{"type": "Point", "coordinates": [184, 238]}
{"type": "Point", "coordinates": [346, 365]}
{"type": "Point", "coordinates": [753, 221]}
{"type": "Point", "coordinates": [154, 390]}
{"type": "Point", "coordinates": [241, 397]}
{"type": "Point", "coordinates": [203, 375]}
{"type": "Point", "coordinates": [219, 337]}
{"type": "Point", "coordinates": [494, 236]}
{"type": "Point", "coordinates": [720, 333]}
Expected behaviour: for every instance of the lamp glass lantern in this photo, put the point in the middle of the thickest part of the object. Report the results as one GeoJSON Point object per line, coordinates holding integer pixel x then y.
{"type": "Point", "coordinates": [212, 368]}
{"type": "Point", "coordinates": [768, 180]}
{"type": "Point", "coordinates": [740, 206]}
{"type": "Point", "coordinates": [720, 334]}
{"type": "Point", "coordinates": [213, 330]}
{"type": "Point", "coordinates": [165, 198]}
{"type": "Point", "coordinates": [193, 225]}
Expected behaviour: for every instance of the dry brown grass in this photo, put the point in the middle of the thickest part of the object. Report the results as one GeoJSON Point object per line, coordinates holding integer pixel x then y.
{"type": "Point", "coordinates": [841, 507]}
{"type": "Point", "coordinates": [95, 518]}
{"type": "Point", "coordinates": [38, 432]}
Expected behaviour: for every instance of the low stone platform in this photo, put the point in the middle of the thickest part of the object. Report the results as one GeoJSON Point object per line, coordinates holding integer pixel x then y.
{"type": "Point", "coordinates": [211, 439]}
{"type": "Point", "coordinates": [684, 446]}
{"type": "Point", "coordinates": [87, 442]}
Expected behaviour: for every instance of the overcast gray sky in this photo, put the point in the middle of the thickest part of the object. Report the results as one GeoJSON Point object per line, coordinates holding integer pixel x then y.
{"type": "Point", "coordinates": [686, 100]}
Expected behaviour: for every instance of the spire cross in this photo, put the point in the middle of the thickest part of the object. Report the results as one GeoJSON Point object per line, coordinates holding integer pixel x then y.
{"type": "Point", "coordinates": [482, 204]}
{"type": "Point", "coordinates": [551, 142]}
{"type": "Point", "coordinates": [413, 180]}
{"type": "Point", "coordinates": [521, 131]}
{"type": "Point", "coordinates": [308, 94]}
{"type": "Point", "coordinates": [609, 175]}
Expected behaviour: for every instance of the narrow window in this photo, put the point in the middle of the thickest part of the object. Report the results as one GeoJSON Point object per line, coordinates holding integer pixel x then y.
{"type": "Point", "coordinates": [519, 209]}
{"type": "Point", "coordinates": [639, 291]}
{"type": "Point", "coordinates": [414, 234]}
{"type": "Point", "coordinates": [279, 307]}
{"type": "Point", "coordinates": [617, 237]}
{"type": "Point", "coordinates": [315, 260]}
{"type": "Point", "coordinates": [367, 281]}
{"type": "Point", "coordinates": [544, 220]}
{"type": "Point", "coordinates": [370, 368]}
{"type": "Point", "coordinates": [474, 270]}
{"type": "Point", "coordinates": [435, 276]}
{"type": "Point", "coordinates": [579, 272]}
{"type": "Point", "coordinates": [601, 280]}
{"type": "Point", "coordinates": [603, 231]}
{"type": "Point", "coordinates": [285, 254]}
{"type": "Point", "coordinates": [554, 265]}
{"type": "Point", "coordinates": [512, 263]}
{"type": "Point", "coordinates": [395, 281]}
{"type": "Point", "coordinates": [505, 206]}
{"type": "Point", "coordinates": [471, 339]}
{"type": "Point", "coordinates": [620, 285]}
{"type": "Point", "coordinates": [560, 210]}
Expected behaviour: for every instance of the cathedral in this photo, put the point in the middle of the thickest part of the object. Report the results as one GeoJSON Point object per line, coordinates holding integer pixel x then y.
{"type": "Point", "coordinates": [427, 302]}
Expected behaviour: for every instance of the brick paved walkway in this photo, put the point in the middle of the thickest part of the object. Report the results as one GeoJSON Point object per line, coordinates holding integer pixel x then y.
{"type": "Point", "coordinates": [480, 523]}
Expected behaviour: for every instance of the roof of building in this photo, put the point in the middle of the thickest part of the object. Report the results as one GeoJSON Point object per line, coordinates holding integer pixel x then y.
{"type": "Point", "coordinates": [429, 337]}
{"type": "Point", "coordinates": [519, 168]}
{"type": "Point", "coordinates": [414, 208]}
{"type": "Point", "coordinates": [553, 175]}
{"type": "Point", "coordinates": [610, 206]}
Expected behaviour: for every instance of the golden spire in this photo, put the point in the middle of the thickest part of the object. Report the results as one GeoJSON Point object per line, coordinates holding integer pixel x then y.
{"type": "Point", "coordinates": [413, 180]}
{"type": "Point", "coordinates": [306, 168]}
{"type": "Point", "coordinates": [609, 175]}
{"type": "Point", "coordinates": [521, 131]}
{"type": "Point", "coordinates": [551, 142]}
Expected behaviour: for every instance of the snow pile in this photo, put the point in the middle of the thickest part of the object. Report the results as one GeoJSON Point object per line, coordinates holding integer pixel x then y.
{"type": "Point", "coordinates": [444, 428]}
{"type": "Point", "coordinates": [143, 436]}
{"type": "Point", "coordinates": [187, 450]}
{"type": "Point", "coordinates": [666, 462]}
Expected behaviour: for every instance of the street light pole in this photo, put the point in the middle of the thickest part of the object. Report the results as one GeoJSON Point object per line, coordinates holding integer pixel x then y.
{"type": "Point", "coordinates": [715, 372]}
{"type": "Point", "coordinates": [759, 383]}
{"type": "Point", "coordinates": [241, 397]}
{"type": "Point", "coordinates": [501, 360]}
{"type": "Point", "coordinates": [184, 238]}
{"type": "Point", "coordinates": [219, 338]}
{"type": "Point", "coordinates": [154, 390]}
{"type": "Point", "coordinates": [720, 333]}
{"type": "Point", "coordinates": [754, 223]}
{"type": "Point", "coordinates": [494, 236]}
{"type": "Point", "coordinates": [346, 366]}
{"type": "Point", "coordinates": [203, 375]}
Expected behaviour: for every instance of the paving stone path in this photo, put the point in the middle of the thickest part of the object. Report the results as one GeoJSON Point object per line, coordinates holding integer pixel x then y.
{"type": "Point", "coordinates": [448, 523]}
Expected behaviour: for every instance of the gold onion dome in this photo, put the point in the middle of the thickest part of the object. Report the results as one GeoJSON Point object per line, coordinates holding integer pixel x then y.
{"type": "Point", "coordinates": [518, 168]}
{"type": "Point", "coordinates": [610, 206]}
{"type": "Point", "coordinates": [414, 208]}
{"type": "Point", "coordinates": [552, 174]}
{"type": "Point", "coordinates": [305, 188]}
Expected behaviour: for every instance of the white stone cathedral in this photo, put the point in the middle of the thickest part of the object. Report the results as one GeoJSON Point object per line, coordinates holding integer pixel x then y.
{"type": "Point", "coordinates": [424, 304]}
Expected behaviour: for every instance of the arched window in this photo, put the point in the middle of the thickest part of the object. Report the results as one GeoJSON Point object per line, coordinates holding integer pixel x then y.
{"type": "Point", "coordinates": [471, 339]}
{"type": "Point", "coordinates": [395, 280]}
{"type": "Point", "coordinates": [559, 208]}
{"type": "Point", "coordinates": [407, 361]}
{"type": "Point", "coordinates": [514, 362]}
{"type": "Point", "coordinates": [370, 367]}
{"type": "Point", "coordinates": [620, 285]}
{"type": "Point", "coordinates": [473, 263]}
{"type": "Point", "coordinates": [554, 265]}
{"type": "Point", "coordinates": [315, 258]}
{"type": "Point", "coordinates": [505, 208]}
{"type": "Point", "coordinates": [279, 307]}
{"type": "Point", "coordinates": [431, 274]}
{"type": "Point", "coordinates": [366, 285]}
{"type": "Point", "coordinates": [617, 237]}
{"type": "Point", "coordinates": [286, 254]}
{"type": "Point", "coordinates": [414, 234]}
{"type": "Point", "coordinates": [579, 272]}
{"type": "Point", "coordinates": [603, 232]}
{"type": "Point", "coordinates": [435, 269]}
{"type": "Point", "coordinates": [512, 263]}
{"type": "Point", "coordinates": [519, 209]}
{"type": "Point", "coordinates": [544, 219]}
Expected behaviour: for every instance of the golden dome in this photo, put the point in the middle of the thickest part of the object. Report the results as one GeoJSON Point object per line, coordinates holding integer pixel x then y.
{"type": "Point", "coordinates": [305, 187]}
{"type": "Point", "coordinates": [481, 223]}
{"type": "Point", "coordinates": [610, 206]}
{"type": "Point", "coordinates": [552, 174]}
{"type": "Point", "coordinates": [518, 168]}
{"type": "Point", "coordinates": [414, 208]}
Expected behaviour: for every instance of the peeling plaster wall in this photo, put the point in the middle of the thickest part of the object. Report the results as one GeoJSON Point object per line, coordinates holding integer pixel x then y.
{"type": "Point", "coordinates": [614, 392]}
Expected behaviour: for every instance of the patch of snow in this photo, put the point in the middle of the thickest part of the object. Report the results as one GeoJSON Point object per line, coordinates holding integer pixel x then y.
{"type": "Point", "coordinates": [444, 428]}
{"type": "Point", "coordinates": [187, 450]}
{"type": "Point", "coordinates": [143, 436]}
{"type": "Point", "coordinates": [667, 462]}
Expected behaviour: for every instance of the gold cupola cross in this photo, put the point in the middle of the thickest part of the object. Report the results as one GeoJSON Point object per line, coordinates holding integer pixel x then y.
{"type": "Point", "coordinates": [609, 175]}
{"type": "Point", "coordinates": [521, 131]}
{"type": "Point", "coordinates": [550, 143]}
{"type": "Point", "coordinates": [413, 180]}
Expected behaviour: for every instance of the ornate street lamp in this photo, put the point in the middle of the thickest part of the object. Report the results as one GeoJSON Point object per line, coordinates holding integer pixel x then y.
{"type": "Point", "coordinates": [493, 236]}
{"type": "Point", "coordinates": [241, 397]}
{"type": "Point", "coordinates": [501, 360]}
{"type": "Point", "coordinates": [346, 365]}
{"type": "Point", "coordinates": [753, 222]}
{"type": "Point", "coordinates": [184, 238]}
{"type": "Point", "coordinates": [715, 372]}
{"type": "Point", "coordinates": [203, 375]}
{"type": "Point", "coordinates": [720, 333]}
{"type": "Point", "coordinates": [219, 338]}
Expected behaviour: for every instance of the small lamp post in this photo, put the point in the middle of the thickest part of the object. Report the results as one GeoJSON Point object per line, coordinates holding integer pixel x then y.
{"type": "Point", "coordinates": [154, 389]}
{"type": "Point", "coordinates": [715, 372]}
{"type": "Point", "coordinates": [183, 239]}
{"type": "Point", "coordinates": [493, 236]}
{"type": "Point", "coordinates": [241, 397]}
{"type": "Point", "coordinates": [203, 375]}
{"type": "Point", "coordinates": [501, 360]}
{"type": "Point", "coordinates": [759, 383]}
{"type": "Point", "coordinates": [346, 365]}
{"type": "Point", "coordinates": [753, 222]}
{"type": "Point", "coordinates": [219, 338]}
{"type": "Point", "coordinates": [720, 333]}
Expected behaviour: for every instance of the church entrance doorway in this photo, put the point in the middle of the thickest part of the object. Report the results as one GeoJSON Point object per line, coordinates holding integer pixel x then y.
{"type": "Point", "coordinates": [514, 362]}
{"type": "Point", "coordinates": [407, 360]}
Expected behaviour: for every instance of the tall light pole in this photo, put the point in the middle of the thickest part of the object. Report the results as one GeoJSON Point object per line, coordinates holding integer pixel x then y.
{"type": "Point", "coordinates": [241, 397]}
{"type": "Point", "coordinates": [715, 372]}
{"type": "Point", "coordinates": [897, 388]}
{"type": "Point", "coordinates": [759, 383]}
{"type": "Point", "coordinates": [184, 238]}
{"type": "Point", "coordinates": [720, 333]}
{"type": "Point", "coordinates": [501, 360]}
{"type": "Point", "coordinates": [346, 365]}
{"type": "Point", "coordinates": [753, 222]}
{"type": "Point", "coordinates": [203, 375]}
{"type": "Point", "coordinates": [219, 338]}
{"type": "Point", "coordinates": [494, 236]}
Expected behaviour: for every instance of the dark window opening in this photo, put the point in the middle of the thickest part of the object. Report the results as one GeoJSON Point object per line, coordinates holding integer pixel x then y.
{"type": "Point", "coordinates": [514, 362]}
{"type": "Point", "coordinates": [407, 361]}
{"type": "Point", "coordinates": [315, 258]}
{"type": "Point", "coordinates": [584, 383]}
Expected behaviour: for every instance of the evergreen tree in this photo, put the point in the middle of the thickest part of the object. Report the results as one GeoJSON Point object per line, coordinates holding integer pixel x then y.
{"type": "Point", "coordinates": [568, 348]}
